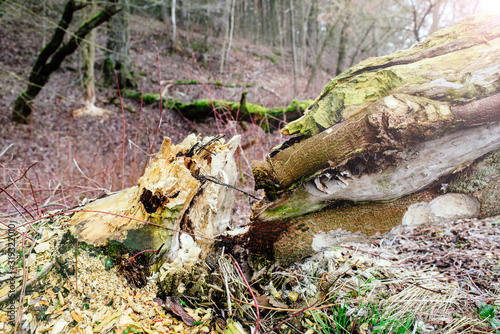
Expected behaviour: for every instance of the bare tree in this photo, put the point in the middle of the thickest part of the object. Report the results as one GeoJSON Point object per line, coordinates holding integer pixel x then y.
{"type": "Point", "coordinates": [53, 54]}
{"type": "Point", "coordinates": [294, 51]}
{"type": "Point", "coordinates": [281, 36]}
{"type": "Point", "coordinates": [343, 39]}
{"type": "Point", "coordinates": [226, 36]}
{"type": "Point", "coordinates": [174, 24]}
{"type": "Point", "coordinates": [306, 10]}
{"type": "Point", "coordinates": [88, 52]}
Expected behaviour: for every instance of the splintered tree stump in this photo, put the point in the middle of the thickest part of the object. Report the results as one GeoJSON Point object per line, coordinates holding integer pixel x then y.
{"type": "Point", "coordinates": [174, 206]}
{"type": "Point", "coordinates": [387, 133]}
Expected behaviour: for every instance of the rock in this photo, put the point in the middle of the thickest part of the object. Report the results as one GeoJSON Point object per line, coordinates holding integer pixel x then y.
{"type": "Point", "coordinates": [452, 207]}
{"type": "Point", "coordinates": [417, 214]}
{"type": "Point", "coordinates": [442, 209]}
{"type": "Point", "coordinates": [323, 241]}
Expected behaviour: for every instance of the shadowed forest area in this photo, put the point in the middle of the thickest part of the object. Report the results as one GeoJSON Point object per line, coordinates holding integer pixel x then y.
{"type": "Point", "coordinates": [89, 89]}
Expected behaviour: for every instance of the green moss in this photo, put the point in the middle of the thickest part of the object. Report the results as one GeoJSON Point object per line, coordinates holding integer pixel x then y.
{"type": "Point", "coordinates": [187, 82]}
{"type": "Point", "coordinates": [328, 109]}
{"type": "Point", "coordinates": [284, 211]}
{"type": "Point", "coordinates": [481, 181]}
{"type": "Point", "coordinates": [108, 68]}
{"type": "Point", "coordinates": [272, 59]}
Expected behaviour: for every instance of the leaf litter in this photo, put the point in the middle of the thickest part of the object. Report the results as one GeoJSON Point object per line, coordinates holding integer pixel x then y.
{"type": "Point", "coordinates": [440, 277]}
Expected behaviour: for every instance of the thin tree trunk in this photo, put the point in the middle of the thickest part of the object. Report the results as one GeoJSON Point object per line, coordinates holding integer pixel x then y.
{"type": "Point", "coordinates": [88, 51]}
{"type": "Point", "coordinates": [257, 20]}
{"type": "Point", "coordinates": [306, 10]}
{"type": "Point", "coordinates": [226, 36]}
{"type": "Point", "coordinates": [174, 25]}
{"type": "Point", "coordinates": [294, 51]}
{"type": "Point", "coordinates": [281, 36]}
{"type": "Point", "coordinates": [231, 30]}
{"type": "Point", "coordinates": [88, 54]}
{"type": "Point", "coordinates": [44, 23]}
{"type": "Point", "coordinates": [375, 42]}
{"type": "Point", "coordinates": [274, 21]}
{"type": "Point", "coordinates": [188, 19]}
{"type": "Point", "coordinates": [164, 12]}
{"type": "Point", "coordinates": [365, 35]}
{"type": "Point", "coordinates": [319, 56]}
{"type": "Point", "coordinates": [436, 16]}
{"type": "Point", "coordinates": [117, 53]}
{"type": "Point", "coordinates": [343, 42]}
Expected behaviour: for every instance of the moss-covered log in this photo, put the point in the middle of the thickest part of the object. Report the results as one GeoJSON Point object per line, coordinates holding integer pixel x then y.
{"type": "Point", "coordinates": [268, 118]}
{"type": "Point", "coordinates": [389, 128]}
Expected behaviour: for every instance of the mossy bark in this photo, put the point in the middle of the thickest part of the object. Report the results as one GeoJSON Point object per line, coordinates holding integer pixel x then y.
{"type": "Point", "coordinates": [386, 105]}
{"type": "Point", "coordinates": [267, 118]}
{"type": "Point", "coordinates": [117, 52]}
{"type": "Point", "coordinates": [384, 134]}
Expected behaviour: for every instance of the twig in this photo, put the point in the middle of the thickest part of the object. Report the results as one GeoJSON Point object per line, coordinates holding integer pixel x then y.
{"type": "Point", "coordinates": [15, 201]}
{"type": "Point", "coordinates": [22, 175]}
{"type": "Point", "coordinates": [251, 292]}
{"type": "Point", "coordinates": [76, 267]}
{"type": "Point", "coordinates": [423, 287]}
{"type": "Point", "coordinates": [217, 181]}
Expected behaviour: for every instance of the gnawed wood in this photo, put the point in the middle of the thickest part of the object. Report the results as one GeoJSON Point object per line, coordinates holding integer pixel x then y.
{"type": "Point", "coordinates": [172, 205]}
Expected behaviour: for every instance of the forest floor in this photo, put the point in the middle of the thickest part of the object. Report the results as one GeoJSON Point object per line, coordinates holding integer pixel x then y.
{"type": "Point", "coordinates": [57, 161]}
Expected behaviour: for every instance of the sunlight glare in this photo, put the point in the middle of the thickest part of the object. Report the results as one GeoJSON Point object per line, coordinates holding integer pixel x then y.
{"type": "Point", "coordinates": [489, 6]}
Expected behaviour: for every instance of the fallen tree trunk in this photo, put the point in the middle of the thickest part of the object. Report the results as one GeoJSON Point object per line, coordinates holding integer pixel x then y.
{"type": "Point", "coordinates": [383, 132]}
{"type": "Point", "coordinates": [267, 118]}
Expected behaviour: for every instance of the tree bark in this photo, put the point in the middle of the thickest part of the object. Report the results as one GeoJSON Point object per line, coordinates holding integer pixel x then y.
{"type": "Point", "coordinates": [43, 68]}
{"type": "Point", "coordinates": [387, 133]}
{"type": "Point", "coordinates": [294, 49]}
{"type": "Point", "coordinates": [317, 62]}
{"type": "Point", "coordinates": [226, 36]}
{"type": "Point", "coordinates": [174, 25]}
{"type": "Point", "coordinates": [281, 36]}
{"type": "Point", "coordinates": [306, 10]}
{"type": "Point", "coordinates": [343, 39]}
